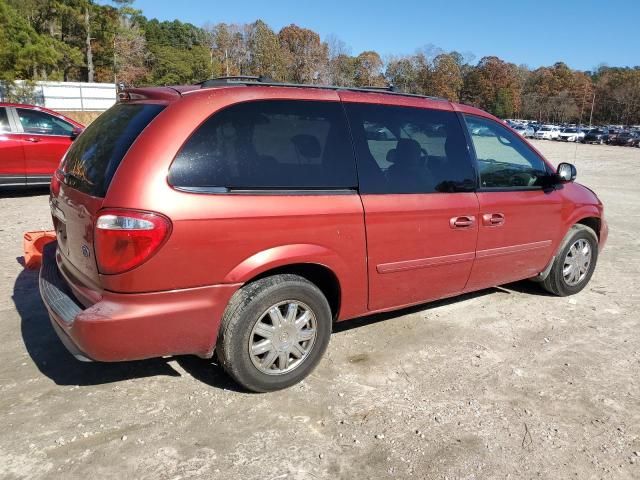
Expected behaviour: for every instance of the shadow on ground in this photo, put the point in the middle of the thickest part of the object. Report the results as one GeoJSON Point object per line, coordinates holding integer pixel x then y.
{"type": "Point", "coordinates": [424, 307]}
{"type": "Point", "coordinates": [53, 360]}
{"type": "Point", "coordinates": [525, 286]}
{"type": "Point", "coordinates": [11, 192]}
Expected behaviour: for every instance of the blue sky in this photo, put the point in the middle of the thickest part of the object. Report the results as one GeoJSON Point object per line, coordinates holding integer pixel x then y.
{"type": "Point", "coordinates": [582, 33]}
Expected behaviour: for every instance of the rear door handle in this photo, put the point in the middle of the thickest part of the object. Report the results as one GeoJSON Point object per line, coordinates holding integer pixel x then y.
{"type": "Point", "coordinates": [464, 221]}
{"type": "Point", "coordinates": [492, 219]}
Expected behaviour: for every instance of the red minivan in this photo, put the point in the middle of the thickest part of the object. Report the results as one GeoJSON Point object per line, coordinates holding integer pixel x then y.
{"type": "Point", "coordinates": [33, 140]}
{"type": "Point", "coordinates": [243, 218]}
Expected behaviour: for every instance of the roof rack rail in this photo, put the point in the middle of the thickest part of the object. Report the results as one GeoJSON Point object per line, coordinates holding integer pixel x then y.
{"type": "Point", "coordinates": [250, 80]}
{"type": "Point", "coordinates": [387, 88]}
{"type": "Point", "coordinates": [217, 81]}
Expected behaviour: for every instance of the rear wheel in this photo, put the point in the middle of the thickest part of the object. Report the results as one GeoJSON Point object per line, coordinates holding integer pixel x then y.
{"type": "Point", "coordinates": [274, 332]}
{"type": "Point", "coordinates": [574, 265]}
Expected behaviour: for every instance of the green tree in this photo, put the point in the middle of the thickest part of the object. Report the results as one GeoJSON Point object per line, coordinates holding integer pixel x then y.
{"type": "Point", "coordinates": [178, 52]}
{"type": "Point", "coordinates": [27, 54]}
{"type": "Point", "coordinates": [445, 78]}
{"type": "Point", "coordinates": [404, 74]}
{"type": "Point", "coordinates": [266, 57]}
{"type": "Point", "coordinates": [493, 86]}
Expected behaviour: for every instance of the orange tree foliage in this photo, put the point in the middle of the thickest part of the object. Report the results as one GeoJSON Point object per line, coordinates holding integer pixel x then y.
{"type": "Point", "coordinates": [48, 39]}
{"type": "Point", "coordinates": [305, 55]}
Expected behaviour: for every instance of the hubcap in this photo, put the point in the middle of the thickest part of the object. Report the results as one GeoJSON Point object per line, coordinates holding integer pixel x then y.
{"type": "Point", "coordinates": [283, 337]}
{"type": "Point", "coordinates": [577, 262]}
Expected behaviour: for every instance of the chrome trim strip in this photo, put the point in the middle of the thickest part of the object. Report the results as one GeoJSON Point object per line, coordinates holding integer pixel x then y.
{"type": "Point", "coordinates": [425, 262]}
{"type": "Point", "coordinates": [393, 267]}
{"type": "Point", "coordinates": [524, 247]}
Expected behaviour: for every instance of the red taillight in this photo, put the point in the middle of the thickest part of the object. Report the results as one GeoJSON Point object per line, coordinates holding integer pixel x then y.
{"type": "Point", "coordinates": [55, 183]}
{"type": "Point", "coordinates": [124, 239]}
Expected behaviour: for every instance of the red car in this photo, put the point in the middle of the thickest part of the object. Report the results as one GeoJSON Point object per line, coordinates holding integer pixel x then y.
{"type": "Point", "coordinates": [33, 140]}
{"type": "Point", "coordinates": [244, 218]}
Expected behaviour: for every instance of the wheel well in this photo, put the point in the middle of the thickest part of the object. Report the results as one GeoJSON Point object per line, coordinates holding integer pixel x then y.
{"type": "Point", "coordinates": [593, 223]}
{"type": "Point", "coordinates": [319, 275]}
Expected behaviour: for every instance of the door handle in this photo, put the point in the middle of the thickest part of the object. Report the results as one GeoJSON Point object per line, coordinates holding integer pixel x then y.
{"type": "Point", "coordinates": [33, 140]}
{"type": "Point", "coordinates": [492, 219]}
{"type": "Point", "coordinates": [464, 221]}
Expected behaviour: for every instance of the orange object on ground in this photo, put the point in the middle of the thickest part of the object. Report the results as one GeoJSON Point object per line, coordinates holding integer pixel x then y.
{"type": "Point", "coordinates": [33, 244]}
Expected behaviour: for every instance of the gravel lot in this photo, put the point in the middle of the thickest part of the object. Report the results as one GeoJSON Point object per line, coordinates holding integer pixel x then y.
{"type": "Point", "coordinates": [505, 383]}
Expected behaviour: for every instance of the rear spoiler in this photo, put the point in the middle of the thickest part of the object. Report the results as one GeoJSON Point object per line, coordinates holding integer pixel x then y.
{"type": "Point", "coordinates": [166, 94]}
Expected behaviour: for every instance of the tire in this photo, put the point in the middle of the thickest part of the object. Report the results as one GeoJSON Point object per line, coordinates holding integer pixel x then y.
{"type": "Point", "coordinates": [556, 282]}
{"type": "Point", "coordinates": [254, 304]}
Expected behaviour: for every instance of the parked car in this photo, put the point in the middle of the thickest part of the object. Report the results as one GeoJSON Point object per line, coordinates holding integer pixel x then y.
{"type": "Point", "coordinates": [613, 133]}
{"type": "Point", "coordinates": [243, 219]}
{"type": "Point", "coordinates": [597, 135]}
{"type": "Point", "coordinates": [33, 140]}
{"type": "Point", "coordinates": [571, 134]}
{"type": "Point", "coordinates": [547, 132]}
{"type": "Point", "coordinates": [525, 130]}
{"type": "Point", "coordinates": [626, 139]}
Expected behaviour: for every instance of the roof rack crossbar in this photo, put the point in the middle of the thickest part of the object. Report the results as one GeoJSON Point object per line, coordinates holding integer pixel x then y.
{"type": "Point", "coordinates": [249, 80]}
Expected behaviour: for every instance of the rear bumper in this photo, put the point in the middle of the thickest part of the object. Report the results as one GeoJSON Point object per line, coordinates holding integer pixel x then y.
{"type": "Point", "coordinates": [122, 327]}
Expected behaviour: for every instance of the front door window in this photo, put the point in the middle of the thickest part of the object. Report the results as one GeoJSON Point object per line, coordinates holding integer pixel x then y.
{"type": "Point", "coordinates": [504, 160]}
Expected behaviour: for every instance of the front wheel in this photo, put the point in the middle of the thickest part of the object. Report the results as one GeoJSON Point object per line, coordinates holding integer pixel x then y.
{"type": "Point", "coordinates": [574, 265]}
{"type": "Point", "coordinates": [274, 332]}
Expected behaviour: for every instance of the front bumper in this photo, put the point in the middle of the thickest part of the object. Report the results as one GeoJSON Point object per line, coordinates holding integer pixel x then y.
{"type": "Point", "coordinates": [134, 326]}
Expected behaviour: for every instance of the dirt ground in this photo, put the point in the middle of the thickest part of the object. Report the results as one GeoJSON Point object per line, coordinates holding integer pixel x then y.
{"type": "Point", "coordinates": [505, 383]}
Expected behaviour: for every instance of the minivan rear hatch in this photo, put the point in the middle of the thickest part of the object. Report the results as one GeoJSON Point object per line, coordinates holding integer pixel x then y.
{"type": "Point", "coordinates": [81, 183]}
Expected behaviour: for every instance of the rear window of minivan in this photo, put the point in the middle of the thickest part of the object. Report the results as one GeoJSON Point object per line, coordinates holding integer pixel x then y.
{"type": "Point", "coordinates": [95, 155]}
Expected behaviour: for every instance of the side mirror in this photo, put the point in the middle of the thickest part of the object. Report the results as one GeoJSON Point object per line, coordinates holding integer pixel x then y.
{"type": "Point", "coordinates": [75, 134]}
{"type": "Point", "coordinates": [566, 172]}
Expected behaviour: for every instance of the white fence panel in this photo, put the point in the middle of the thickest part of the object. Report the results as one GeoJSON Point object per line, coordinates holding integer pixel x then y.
{"type": "Point", "coordinates": [78, 96]}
